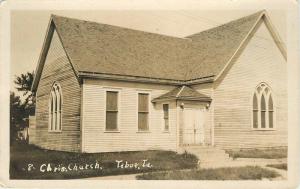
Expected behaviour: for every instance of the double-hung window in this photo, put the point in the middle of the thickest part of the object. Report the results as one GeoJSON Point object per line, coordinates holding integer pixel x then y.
{"type": "Point", "coordinates": [112, 110]}
{"type": "Point", "coordinates": [166, 116]}
{"type": "Point", "coordinates": [143, 111]}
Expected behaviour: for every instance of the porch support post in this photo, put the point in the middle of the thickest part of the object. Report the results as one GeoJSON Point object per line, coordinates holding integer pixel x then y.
{"type": "Point", "coordinates": [177, 126]}
{"type": "Point", "coordinates": [212, 113]}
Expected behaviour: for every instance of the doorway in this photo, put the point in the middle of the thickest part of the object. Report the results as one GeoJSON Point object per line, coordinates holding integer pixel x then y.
{"type": "Point", "coordinates": [193, 127]}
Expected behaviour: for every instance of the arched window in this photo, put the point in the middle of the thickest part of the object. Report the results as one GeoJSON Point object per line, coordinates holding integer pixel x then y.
{"type": "Point", "coordinates": [263, 108]}
{"type": "Point", "coordinates": [55, 104]}
{"type": "Point", "coordinates": [255, 112]}
{"type": "Point", "coordinates": [263, 111]}
{"type": "Point", "coordinates": [271, 110]}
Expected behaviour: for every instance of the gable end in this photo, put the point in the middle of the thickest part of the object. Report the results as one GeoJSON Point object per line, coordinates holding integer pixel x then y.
{"type": "Point", "coordinates": [43, 55]}
{"type": "Point", "coordinates": [264, 18]}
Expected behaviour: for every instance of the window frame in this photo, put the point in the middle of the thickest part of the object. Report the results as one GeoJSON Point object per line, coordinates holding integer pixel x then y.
{"type": "Point", "coordinates": [267, 95]}
{"type": "Point", "coordinates": [163, 117]}
{"type": "Point", "coordinates": [273, 111]}
{"type": "Point", "coordinates": [149, 110]}
{"type": "Point", "coordinates": [255, 110]}
{"type": "Point", "coordinates": [263, 111]}
{"type": "Point", "coordinates": [107, 89]}
{"type": "Point", "coordinates": [54, 128]}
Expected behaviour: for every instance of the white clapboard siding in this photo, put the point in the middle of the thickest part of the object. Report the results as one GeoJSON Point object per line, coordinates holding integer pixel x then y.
{"type": "Point", "coordinates": [260, 61]}
{"type": "Point", "coordinates": [58, 68]}
{"type": "Point", "coordinates": [95, 139]}
{"type": "Point", "coordinates": [207, 89]}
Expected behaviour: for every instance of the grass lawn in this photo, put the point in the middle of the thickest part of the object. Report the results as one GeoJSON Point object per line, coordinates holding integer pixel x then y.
{"type": "Point", "coordinates": [271, 153]}
{"type": "Point", "coordinates": [234, 173]}
{"type": "Point", "coordinates": [24, 156]}
{"type": "Point", "coordinates": [278, 166]}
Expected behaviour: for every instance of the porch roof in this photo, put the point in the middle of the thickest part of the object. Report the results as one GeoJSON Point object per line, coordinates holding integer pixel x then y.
{"type": "Point", "coordinates": [183, 93]}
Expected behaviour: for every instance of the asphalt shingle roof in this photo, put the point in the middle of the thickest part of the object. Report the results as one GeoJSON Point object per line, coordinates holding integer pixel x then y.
{"type": "Point", "coordinates": [182, 93]}
{"type": "Point", "coordinates": [100, 48]}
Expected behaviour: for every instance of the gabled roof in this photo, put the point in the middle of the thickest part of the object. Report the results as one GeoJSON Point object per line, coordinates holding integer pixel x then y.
{"type": "Point", "coordinates": [105, 51]}
{"type": "Point", "coordinates": [101, 48]}
{"type": "Point", "coordinates": [210, 50]}
{"type": "Point", "coordinates": [183, 93]}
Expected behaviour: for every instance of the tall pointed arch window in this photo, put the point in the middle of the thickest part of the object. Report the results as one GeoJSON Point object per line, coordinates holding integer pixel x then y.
{"type": "Point", "coordinates": [271, 112]}
{"type": "Point", "coordinates": [55, 106]}
{"type": "Point", "coordinates": [263, 108]}
{"type": "Point", "coordinates": [255, 111]}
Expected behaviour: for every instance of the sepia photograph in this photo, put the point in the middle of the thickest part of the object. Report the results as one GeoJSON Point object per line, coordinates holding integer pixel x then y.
{"type": "Point", "coordinates": [181, 94]}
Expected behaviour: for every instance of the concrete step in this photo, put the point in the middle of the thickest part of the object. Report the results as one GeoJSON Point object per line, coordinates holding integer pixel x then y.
{"type": "Point", "coordinates": [208, 154]}
{"type": "Point", "coordinates": [204, 149]}
{"type": "Point", "coordinates": [220, 159]}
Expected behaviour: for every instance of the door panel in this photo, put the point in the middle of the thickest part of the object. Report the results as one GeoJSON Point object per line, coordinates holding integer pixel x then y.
{"type": "Point", "coordinates": [193, 128]}
{"type": "Point", "coordinates": [199, 126]}
{"type": "Point", "coordinates": [188, 130]}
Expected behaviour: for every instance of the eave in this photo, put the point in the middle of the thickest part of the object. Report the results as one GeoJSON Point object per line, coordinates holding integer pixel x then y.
{"type": "Point", "coordinates": [182, 98]}
{"type": "Point", "coordinates": [93, 75]}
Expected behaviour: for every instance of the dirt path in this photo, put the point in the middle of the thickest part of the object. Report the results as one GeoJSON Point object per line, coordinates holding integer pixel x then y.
{"type": "Point", "coordinates": [242, 162]}
{"type": "Point", "coordinates": [250, 162]}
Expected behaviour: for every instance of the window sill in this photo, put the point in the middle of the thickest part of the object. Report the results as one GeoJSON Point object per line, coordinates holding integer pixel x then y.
{"type": "Point", "coordinates": [260, 129]}
{"type": "Point", "coordinates": [143, 132]}
{"type": "Point", "coordinates": [111, 131]}
{"type": "Point", "coordinates": [54, 131]}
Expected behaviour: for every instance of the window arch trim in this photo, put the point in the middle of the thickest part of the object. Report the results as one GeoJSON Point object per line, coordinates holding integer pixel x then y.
{"type": "Point", "coordinates": [55, 108]}
{"type": "Point", "coordinates": [263, 89]}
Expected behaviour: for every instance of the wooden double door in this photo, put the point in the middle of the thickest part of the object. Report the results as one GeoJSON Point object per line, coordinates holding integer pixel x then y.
{"type": "Point", "coordinates": [194, 125]}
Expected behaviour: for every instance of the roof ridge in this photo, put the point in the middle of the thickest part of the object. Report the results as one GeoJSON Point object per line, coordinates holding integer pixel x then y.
{"type": "Point", "coordinates": [258, 13]}
{"type": "Point", "coordinates": [177, 59]}
{"type": "Point", "coordinates": [186, 38]}
{"type": "Point", "coordinates": [120, 27]}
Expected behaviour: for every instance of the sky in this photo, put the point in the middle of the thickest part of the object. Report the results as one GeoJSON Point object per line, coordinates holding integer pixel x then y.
{"type": "Point", "coordinates": [28, 27]}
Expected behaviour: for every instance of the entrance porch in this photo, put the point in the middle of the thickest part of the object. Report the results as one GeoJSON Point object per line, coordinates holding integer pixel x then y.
{"type": "Point", "coordinates": [194, 116]}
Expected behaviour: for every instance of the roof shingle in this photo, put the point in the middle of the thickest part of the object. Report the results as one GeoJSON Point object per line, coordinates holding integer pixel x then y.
{"type": "Point", "coordinates": [183, 93]}
{"type": "Point", "coordinates": [101, 48]}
